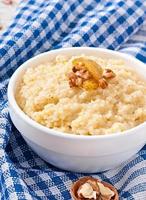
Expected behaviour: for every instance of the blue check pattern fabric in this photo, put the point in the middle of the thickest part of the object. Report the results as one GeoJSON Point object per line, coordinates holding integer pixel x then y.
{"type": "Point", "coordinates": [42, 25]}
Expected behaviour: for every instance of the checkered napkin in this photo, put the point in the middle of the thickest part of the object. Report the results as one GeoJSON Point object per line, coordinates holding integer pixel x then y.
{"type": "Point", "coordinates": [41, 25]}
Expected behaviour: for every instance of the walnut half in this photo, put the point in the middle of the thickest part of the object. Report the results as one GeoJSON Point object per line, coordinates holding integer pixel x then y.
{"type": "Point", "coordinates": [87, 188]}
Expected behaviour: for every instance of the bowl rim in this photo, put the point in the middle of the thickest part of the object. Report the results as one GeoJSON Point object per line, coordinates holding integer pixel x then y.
{"type": "Point", "coordinates": [12, 101]}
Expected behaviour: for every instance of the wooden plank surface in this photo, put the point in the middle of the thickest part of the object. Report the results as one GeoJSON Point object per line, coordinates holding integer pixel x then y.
{"type": "Point", "coordinates": [6, 14]}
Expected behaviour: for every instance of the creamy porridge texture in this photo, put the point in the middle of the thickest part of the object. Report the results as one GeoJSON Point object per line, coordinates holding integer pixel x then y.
{"type": "Point", "coordinates": [47, 96]}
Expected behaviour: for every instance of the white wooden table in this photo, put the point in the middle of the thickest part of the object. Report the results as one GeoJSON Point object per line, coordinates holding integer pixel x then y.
{"type": "Point", "coordinates": [6, 14]}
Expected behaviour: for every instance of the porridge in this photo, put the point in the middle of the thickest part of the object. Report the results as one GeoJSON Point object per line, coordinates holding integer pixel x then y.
{"type": "Point", "coordinates": [83, 95]}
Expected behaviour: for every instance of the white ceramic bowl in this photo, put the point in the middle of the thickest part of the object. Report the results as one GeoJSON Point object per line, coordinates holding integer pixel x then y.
{"type": "Point", "coordinates": [73, 152]}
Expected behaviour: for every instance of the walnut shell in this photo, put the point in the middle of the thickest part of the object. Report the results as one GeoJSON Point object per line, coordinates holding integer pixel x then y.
{"type": "Point", "coordinates": [81, 181]}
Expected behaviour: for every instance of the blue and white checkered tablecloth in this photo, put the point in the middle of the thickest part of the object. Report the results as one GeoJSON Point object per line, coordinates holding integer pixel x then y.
{"type": "Point", "coordinates": [41, 25]}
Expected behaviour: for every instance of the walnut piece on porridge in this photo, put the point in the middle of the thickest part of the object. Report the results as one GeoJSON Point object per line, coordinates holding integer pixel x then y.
{"type": "Point", "coordinates": [87, 188]}
{"type": "Point", "coordinates": [88, 74]}
{"type": "Point", "coordinates": [103, 83]}
{"type": "Point", "coordinates": [108, 74]}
